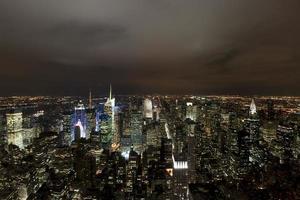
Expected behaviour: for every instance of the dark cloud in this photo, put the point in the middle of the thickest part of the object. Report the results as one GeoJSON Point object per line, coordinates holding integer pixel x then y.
{"type": "Point", "coordinates": [168, 46]}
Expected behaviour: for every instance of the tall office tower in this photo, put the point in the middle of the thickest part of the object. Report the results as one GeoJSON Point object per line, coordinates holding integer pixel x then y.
{"type": "Point", "coordinates": [180, 145]}
{"type": "Point", "coordinates": [166, 152]}
{"type": "Point", "coordinates": [251, 125]}
{"type": "Point", "coordinates": [243, 152]}
{"type": "Point", "coordinates": [148, 112]}
{"type": "Point", "coordinates": [233, 133]}
{"type": "Point", "coordinates": [156, 104]}
{"type": "Point", "coordinates": [201, 149]}
{"type": "Point", "coordinates": [79, 119]}
{"type": "Point", "coordinates": [268, 130]}
{"type": "Point", "coordinates": [153, 135]}
{"type": "Point", "coordinates": [67, 126]}
{"type": "Point", "coordinates": [180, 164]}
{"type": "Point", "coordinates": [99, 116]}
{"type": "Point", "coordinates": [91, 122]}
{"type": "Point", "coordinates": [36, 122]}
{"type": "Point", "coordinates": [106, 133]}
{"type": "Point", "coordinates": [232, 145]}
{"type": "Point", "coordinates": [14, 123]}
{"type": "Point", "coordinates": [131, 172]}
{"type": "Point", "coordinates": [191, 111]}
{"type": "Point", "coordinates": [285, 137]}
{"type": "Point", "coordinates": [108, 125]}
{"type": "Point", "coordinates": [135, 128]}
{"type": "Point", "coordinates": [191, 144]}
{"type": "Point", "coordinates": [116, 140]}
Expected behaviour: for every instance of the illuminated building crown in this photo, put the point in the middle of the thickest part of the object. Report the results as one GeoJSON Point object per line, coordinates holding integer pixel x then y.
{"type": "Point", "coordinates": [252, 108]}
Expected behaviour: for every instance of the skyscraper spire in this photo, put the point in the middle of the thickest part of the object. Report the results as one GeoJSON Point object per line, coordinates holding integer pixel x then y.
{"type": "Point", "coordinates": [252, 108]}
{"type": "Point", "coordinates": [110, 92]}
{"type": "Point", "coordinates": [90, 100]}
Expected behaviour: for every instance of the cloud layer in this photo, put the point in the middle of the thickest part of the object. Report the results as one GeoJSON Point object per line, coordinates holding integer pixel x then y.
{"type": "Point", "coordinates": [167, 46]}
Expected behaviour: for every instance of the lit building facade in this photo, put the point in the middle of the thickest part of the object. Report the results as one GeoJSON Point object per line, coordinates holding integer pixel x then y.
{"type": "Point", "coordinates": [148, 111]}
{"type": "Point", "coordinates": [14, 123]}
{"type": "Point", "coordinates": [79, 120]}
{"type": "Point", "coordinates": [191, 111]}
{"type": "Point", "coordinates": [107, 122]}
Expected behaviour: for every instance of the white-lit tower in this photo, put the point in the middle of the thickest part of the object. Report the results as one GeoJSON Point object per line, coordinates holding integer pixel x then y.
{"type": "Point", "coordinates": [148, 109]}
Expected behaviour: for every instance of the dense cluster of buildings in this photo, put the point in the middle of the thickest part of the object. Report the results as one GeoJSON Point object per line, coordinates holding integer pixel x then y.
{"type": "Point", "coordinates": [151, 147]}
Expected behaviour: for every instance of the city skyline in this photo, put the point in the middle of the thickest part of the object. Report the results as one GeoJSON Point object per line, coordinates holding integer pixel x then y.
{"type": "Point", "coordinates": [149, 99]}
{"type": "Point", "coordinates": [149, 147]}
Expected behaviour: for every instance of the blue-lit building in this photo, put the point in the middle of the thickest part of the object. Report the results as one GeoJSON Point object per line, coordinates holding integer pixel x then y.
{"type": "Point", "coordinates": [79, 120]}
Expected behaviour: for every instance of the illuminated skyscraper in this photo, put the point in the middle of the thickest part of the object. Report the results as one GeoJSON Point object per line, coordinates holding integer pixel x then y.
{"type": "Point", "coordinates": [14, 129]}
{"type": "Point", "coordinates": [191, 111]}
{"type": "Point", "coordinates": [252, 124]}
{"type": "Point", "coordinates": [285, 138]}
{"type": "Point", "coordinates": [131, 172]}
{"type": "Point", "coordinates": [136, 121]}
{"type": "Point", "coordinates": [109, 106]}
{"type": "Point", "coordinates": [251, 127]}
{"type": "Point", "coordinates": [153, 135]}
{"type": "Point", "coordinates": [252, 110]}
{"type": "Point", "coordinates": [14, 121]}
{"type": "Point", "coordinates": [99, 114]}
{"type": "Point", "coordinates": [79, 119]}
{"type": "Point", "coordinates": [148, 112]}
{"type": "Point", "coordinates": [180, 164]}
{"type": "Point", "coordinates": [107, 124]}
{"type": "Point", "coordinates": [180, 148]}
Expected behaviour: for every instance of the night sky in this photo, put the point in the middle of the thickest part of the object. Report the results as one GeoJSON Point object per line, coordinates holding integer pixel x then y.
{"type": "Point", "coordinates": [66, 47]}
